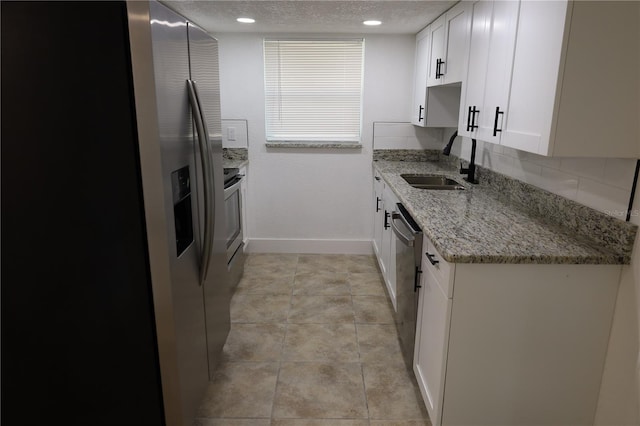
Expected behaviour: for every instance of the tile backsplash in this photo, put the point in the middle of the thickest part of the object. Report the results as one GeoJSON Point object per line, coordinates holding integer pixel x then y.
{"type": "Point", "coordinates": [603, 184]}
{"type": "Point", "coordinates": [394, 135]}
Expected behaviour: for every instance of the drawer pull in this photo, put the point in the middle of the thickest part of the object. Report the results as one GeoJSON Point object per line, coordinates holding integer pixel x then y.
{"type": "Point", "coordinates": [432, 258]}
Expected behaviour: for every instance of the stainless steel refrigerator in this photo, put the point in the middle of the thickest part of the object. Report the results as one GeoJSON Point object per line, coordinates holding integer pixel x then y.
{"type": "Point", "coordinates": [115, 301]}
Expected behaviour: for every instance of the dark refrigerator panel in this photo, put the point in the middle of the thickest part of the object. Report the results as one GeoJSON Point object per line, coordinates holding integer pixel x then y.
{"type": "Point", "coordinates": [103, 305]}
{"type": "Point", "coordinates": [78, 331]}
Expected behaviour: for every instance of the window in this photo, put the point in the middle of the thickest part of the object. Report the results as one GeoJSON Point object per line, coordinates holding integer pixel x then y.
{"type": "Point", "coordinates": [313, 90]}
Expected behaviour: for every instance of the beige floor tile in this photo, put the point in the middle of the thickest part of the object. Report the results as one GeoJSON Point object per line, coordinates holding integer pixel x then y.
{"type": "Point", "coordinates": [269, 272]}
{"type": "Point", "coordinates": [259, 308]}
{"type": "Point", "coordinates": [283, 259]}
{"type": "Point", "coordinates": [320, 309]}
{"type": "Point", "coordinates": [318, 422]}
{"type": "Point", "coordinates": [320, 390]}
{"type": "Point", "coordinates": [378, 343]}
{"type": "Point", "coordinates": [270, 284]}
{"type": "Point", "coordinates": [240, 389]}
{"type": "Point", "coordinates": [321, 342]}
{"type": "Point", "coordinates": [373, 309]}
{"type": "Point", "coordinates": [254, 342]}
{"type": "Point", "coordinates": [392, 393]}
{"type": "Point", "coordinates": [366, 284]}
{"type": "Point", "coordinates": [362, 263]}
{"type": "Point", "coordinates": [232, 422]}
{"type": "Point", "coordinates": [322, 262]}
{"type": "Point", "coordinates": [321, 283]}
{"type": "Point", "coordinates": [310, 346]}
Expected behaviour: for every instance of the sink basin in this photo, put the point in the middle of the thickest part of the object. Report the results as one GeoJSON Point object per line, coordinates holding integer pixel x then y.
{"type": "Point", "coordinates": [432, 182]}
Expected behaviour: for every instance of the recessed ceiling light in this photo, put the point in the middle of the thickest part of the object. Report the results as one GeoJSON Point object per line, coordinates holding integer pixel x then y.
{"type": "Point", "coordinates": [246, 20]}
{"type": "Point", "coordinates": [372, 23]}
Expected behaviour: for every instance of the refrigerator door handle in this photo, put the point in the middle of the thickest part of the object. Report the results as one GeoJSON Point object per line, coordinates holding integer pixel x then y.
{"type": "Point", "coordinates": [207, 177]}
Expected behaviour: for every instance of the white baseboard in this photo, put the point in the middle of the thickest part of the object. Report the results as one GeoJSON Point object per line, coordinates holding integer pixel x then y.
{"type": "Point", "coordinates": [275, 245]}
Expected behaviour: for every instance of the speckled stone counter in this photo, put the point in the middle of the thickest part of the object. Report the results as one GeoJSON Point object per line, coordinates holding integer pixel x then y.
{"type": "Point", "coordinates": [506, 221]}
{"type": "Point", "coordinates": [314, 145]}
{"type": "Point", "coordinates": [234, 157]}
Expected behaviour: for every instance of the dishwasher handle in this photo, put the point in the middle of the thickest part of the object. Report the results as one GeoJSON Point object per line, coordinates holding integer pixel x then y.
{"type": "Point", "coordinates": [406, 240]}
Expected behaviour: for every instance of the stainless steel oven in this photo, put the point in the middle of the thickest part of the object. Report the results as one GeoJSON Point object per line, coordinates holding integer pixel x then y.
{"type": "Point", "coordinates": [233, 210]}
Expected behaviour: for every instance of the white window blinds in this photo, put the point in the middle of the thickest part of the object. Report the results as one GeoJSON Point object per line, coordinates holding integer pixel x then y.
{"type": "Point", "coordinates": [313, 90]}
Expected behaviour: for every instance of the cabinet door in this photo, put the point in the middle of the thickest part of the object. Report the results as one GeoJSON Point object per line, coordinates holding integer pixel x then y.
{"type": "Point", "coordinates": [420, 79]}
{"type": "Point", "coordinates": [389, 244]}
{"type": "Point", "coordinates": [437, 39]}
{"type": "Point", "coordinates": [473, 87]}
{"type": "Point", "coordinates": [432, 334]}
{"type": "Point", "coordinates": [243, 205]}
{"type": "Point", "coordinates": [456, 43]}
{"type": "Point", "coordinates": [536, 65]}
{"type": "Point", "coordinates": [378, 215]}
{"type": "Point", "coordinates": [498, 73]}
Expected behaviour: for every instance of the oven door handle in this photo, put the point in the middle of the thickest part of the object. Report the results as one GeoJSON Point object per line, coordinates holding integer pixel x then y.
{"type": "Point", "coordinates": [233, 188]}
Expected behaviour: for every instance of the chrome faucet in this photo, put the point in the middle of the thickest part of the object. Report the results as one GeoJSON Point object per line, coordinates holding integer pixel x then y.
{"type": "Point", "coordinates": [471, 170]}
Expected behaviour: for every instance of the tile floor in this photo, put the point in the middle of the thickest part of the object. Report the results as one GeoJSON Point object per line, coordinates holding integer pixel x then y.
{"type": "Point", "coordinates": [312, 342]}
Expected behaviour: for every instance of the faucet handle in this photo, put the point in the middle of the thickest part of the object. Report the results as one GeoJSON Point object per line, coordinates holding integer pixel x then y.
{"type": "Point", "coordinates": [463, 169]}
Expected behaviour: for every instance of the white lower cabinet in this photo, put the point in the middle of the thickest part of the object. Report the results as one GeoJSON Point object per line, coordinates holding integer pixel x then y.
{"type": "Point", "coordinates": [378, 217]}
{"type": "Point", "coordinates": [244, 185]}
{"type": "Point", "coordinates": [383, 238]}
{"type": "Point", "coordinates": [388, 250]}
{"type": "Point", "coordinates": [432, 334]}
{"type": "Point", "coordinates": [512, 344]}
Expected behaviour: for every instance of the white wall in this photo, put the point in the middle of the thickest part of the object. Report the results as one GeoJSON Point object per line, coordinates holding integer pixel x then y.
{"type": "Point", "coordinates": [313, 200]}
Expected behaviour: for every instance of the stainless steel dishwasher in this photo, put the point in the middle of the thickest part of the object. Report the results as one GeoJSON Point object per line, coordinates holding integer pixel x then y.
{"type": "Point", "coordinates": [408, 256]}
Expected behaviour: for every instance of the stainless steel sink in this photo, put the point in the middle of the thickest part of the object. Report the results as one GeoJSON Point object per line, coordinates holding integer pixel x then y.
{"type": "Point", "coordinates": [432, 182]}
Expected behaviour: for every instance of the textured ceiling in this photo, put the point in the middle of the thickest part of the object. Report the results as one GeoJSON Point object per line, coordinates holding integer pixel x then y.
{"type": "Point", "coordinates": [327, 16]}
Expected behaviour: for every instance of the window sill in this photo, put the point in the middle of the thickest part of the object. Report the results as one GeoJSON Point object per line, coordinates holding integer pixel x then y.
{"type": "Point", "coordinates": [325, 145]}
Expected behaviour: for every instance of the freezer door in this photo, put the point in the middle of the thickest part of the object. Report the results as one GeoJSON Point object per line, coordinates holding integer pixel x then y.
{"type": "Point", "coordinates": [217, 292]}
{"type": "Point", "coordinates": [181, 174]}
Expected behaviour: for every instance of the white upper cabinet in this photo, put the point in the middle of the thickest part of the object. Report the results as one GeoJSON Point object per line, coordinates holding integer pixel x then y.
{"type": "Point", "coordinates": [575, 80]}
{"type": "Point", "coordinates": [449, 44]}
{"type": "Point", "coordinates": [436, 106]}
{"type": "Point", "coordinates": [485, 91]}
{"type": "Point", "coordinates": [437, 51]}
{"type": "Point", "coordinates": [420, 78]}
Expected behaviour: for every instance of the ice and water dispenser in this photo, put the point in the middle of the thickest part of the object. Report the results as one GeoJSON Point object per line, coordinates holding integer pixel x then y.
{"type": "Point", "coordinates": [181, 189]}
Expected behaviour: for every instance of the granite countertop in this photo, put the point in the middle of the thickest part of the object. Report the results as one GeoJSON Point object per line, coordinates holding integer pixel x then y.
{"type": "Point", "coordinates": [482, 225]}
{"type": "Point", "coordinates": [235, 157]}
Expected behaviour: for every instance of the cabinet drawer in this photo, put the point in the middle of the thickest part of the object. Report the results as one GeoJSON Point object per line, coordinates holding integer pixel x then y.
{"type": "Point", "coordinates": [442, 270]}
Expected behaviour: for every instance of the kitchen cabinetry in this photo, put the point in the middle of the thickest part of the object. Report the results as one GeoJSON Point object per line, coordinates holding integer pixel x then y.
{"type": "Point", "coordinates": [244, 185]}
{"type": "Point", "coordinates": [378, 218]}
{"type": "Point", "coordinates": [388, 251]}
{"type": "Point", "coordinates": [512, 344]}
{"type": "Point", "coordinates": [448, 39]}
{"type": "Point", "coordinates": [575, 80]}
{"type": "Point", "coordinates": [383, 241]}
{"type": "Point", "coordinates": [485, 91]}
{"type": "Point", "coordinates": [436, 106]}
